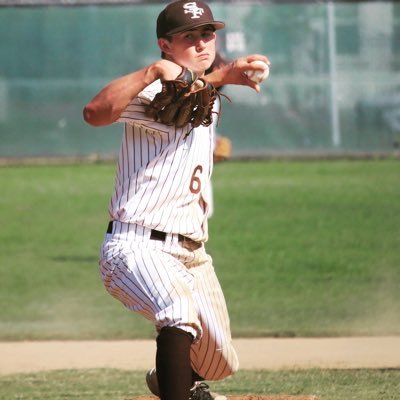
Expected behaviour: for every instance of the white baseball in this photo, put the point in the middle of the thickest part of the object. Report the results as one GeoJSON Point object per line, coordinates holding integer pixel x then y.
{"type": "Point", "coordinates": [258, 76]}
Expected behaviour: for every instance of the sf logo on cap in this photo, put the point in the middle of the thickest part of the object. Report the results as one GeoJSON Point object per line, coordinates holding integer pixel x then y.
{"type": "Point", "coordinates": [193, 9]}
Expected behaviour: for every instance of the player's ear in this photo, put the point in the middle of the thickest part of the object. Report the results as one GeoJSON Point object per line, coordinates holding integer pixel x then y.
{"type": "Point", "coordinates": [165, 45]}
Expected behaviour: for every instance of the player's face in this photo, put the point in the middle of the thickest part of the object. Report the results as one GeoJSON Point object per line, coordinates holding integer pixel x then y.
{"type": "Point", "coordinates": [194, 49]}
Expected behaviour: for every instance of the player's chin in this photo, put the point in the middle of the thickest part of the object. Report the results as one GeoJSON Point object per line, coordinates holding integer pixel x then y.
{"type": "Point", "coordinates": [201, 66]}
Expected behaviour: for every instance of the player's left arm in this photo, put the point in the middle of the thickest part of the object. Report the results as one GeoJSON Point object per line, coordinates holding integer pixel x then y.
{"type": "Point", "coordinates": [234, 73]}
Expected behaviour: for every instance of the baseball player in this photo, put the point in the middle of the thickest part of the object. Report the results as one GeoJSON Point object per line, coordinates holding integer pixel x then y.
{"type": "Point", "coordinates": [153, 256]}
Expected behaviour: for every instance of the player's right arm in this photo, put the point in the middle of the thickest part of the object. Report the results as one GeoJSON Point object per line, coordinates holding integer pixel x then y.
{"type": "Point", "coordinates": [107, 105]}
{"type": "Point", "coordinates": [233, 72]}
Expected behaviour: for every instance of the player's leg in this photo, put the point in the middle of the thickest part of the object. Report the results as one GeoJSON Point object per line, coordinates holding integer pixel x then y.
{"type": "Point", "coordinates": [174, 373]}
{"type": "Point", "coordinates": [150, 281]}
{"type": "Point", "coordinates": [213, 357]}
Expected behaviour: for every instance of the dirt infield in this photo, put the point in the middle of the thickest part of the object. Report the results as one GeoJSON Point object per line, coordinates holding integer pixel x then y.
{"type": "Point", "coordinates": [280, 397]}
{"type": "Point", "coordinates": [248, 397]}
{"type": "Point", "coordinates": [261, 353]}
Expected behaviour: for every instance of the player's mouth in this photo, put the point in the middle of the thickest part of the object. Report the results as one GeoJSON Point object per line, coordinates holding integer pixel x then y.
{"type": "Point", "coordinates": [203, 57]}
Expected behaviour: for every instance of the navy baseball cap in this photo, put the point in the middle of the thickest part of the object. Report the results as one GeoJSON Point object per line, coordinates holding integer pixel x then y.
{"type": "Point", "coordinates": [181, 16]}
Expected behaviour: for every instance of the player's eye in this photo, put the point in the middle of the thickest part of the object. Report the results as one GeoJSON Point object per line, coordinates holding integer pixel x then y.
{"type": "Point", "coordinates": [208, 34]}
{"type": "Point", "coordinates": [189, 36]}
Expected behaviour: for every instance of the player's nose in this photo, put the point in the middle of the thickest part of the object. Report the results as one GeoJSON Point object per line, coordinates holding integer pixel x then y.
{"type": "Point", "coordinates": [201, 44]}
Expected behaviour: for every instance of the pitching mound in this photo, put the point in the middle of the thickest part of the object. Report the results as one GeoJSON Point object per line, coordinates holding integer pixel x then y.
{"type": "Point", "coordinates": [248, 397]}
{"type": "Point", "coordinates": [276, 397]}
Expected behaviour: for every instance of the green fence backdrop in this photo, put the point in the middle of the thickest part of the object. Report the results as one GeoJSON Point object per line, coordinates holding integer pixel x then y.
{"type": "Point", "coordinates": [334, 82]}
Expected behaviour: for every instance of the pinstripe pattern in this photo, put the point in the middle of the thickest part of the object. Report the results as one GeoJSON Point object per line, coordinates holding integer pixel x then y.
{"type": "Point", "coordinates": [171, 285]}
{"type": "Point", "coordinates": [154, 172]}
{"type": "Point", "coordinates": [163, 182]}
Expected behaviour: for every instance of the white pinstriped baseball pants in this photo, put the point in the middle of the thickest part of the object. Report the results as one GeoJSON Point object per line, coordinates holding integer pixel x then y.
{"type": "Point", "coordinates": [171, 283]}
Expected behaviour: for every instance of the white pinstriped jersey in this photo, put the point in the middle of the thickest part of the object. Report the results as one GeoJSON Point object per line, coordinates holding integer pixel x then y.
{"type": "Point", "coordinates": [163, 173]}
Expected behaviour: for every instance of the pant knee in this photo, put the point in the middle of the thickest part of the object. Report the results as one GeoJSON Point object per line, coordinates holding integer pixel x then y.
{"type": "Point", "coordinates": [222, 371]}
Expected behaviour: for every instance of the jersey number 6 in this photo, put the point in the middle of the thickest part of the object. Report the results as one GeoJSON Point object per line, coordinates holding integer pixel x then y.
{"type": "Point", "coordinates": [195, 182]}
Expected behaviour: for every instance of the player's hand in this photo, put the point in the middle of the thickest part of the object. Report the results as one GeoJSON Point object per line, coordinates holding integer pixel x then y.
{"type": "Point", "coordinates": [233, 73]}
{"type": "Point", "coordinates": [165, 70]}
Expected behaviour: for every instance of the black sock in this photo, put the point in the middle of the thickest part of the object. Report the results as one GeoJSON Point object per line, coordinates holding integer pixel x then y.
{"type": "Point", "coordinates": [174, 372]}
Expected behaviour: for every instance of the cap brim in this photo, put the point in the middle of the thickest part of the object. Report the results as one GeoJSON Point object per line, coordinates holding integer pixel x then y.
{"type": "Point", "coordinates": [216, 24]}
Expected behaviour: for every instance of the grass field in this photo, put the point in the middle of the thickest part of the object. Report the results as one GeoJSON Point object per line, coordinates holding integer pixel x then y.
{"type": "Point", "coordinates": [123, 385]}
{"type": "Point", "coordinates": [301, 248]}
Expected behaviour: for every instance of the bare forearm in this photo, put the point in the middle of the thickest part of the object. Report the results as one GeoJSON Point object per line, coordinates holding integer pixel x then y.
{"type": "Point", "coordinates": [106, 107]}
{"type": "Point", "coordinates": [233, 73]}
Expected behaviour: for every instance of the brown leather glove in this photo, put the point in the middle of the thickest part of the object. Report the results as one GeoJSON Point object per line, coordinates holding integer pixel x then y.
{"type": "Point", "coordinates": [223, 149]}
{"type": "Point", "coordinates": [184, 100]}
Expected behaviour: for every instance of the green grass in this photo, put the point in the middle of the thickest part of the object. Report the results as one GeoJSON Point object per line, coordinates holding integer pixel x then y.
{"type": "Point", "coordinates": [301, 248]}
{"type": "Point", "coordinates": [313, 245]}
{"type": "Point", "coordinates": [122, 385]}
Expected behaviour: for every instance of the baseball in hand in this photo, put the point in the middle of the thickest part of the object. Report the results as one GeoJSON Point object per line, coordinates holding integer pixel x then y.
{"type": "Point", "coordinates": [258, 76]}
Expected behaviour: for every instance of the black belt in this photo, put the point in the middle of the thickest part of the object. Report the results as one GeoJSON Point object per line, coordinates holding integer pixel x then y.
{"type": "Point", "coordinates": [158, 235]}
{"type": "Point", "coordinates": [154, 234]}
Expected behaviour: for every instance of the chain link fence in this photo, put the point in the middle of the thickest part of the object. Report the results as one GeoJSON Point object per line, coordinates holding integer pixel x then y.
{"type": "Point", "coordinates": [334, 86]}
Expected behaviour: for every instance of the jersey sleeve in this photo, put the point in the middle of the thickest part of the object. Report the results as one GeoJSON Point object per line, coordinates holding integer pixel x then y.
{"type": "Point", "coordinates": [135, 111]}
